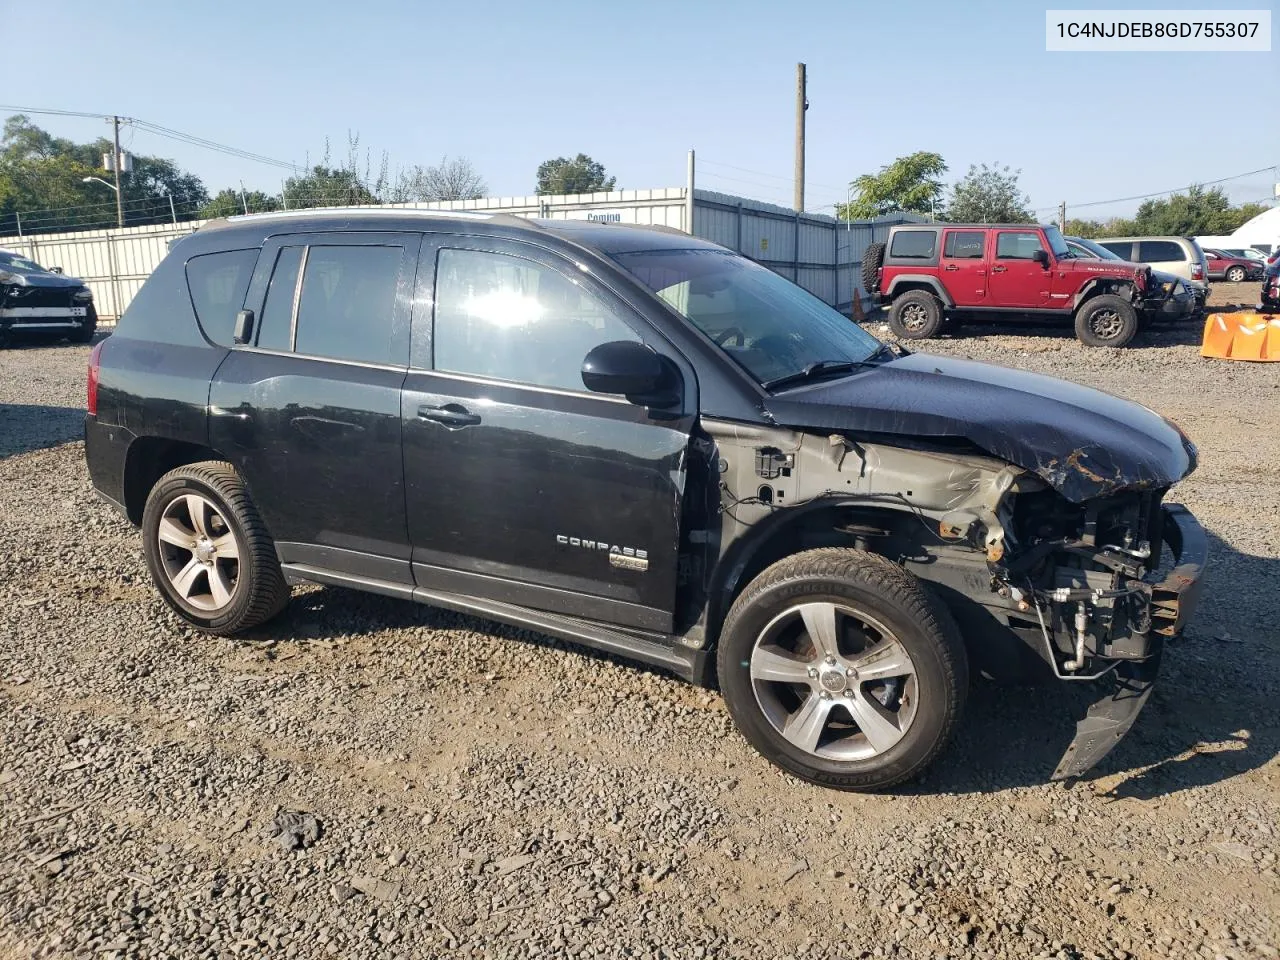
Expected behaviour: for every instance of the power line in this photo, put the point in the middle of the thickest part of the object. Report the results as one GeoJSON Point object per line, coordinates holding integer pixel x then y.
{"type": "Point", "coordinates": [163, 131]}
{"type": "Point", "coordinates": [1162, 193]}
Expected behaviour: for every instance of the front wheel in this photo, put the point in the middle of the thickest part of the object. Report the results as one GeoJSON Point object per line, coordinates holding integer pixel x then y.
{"type": "Point", "coordinates": [209, 552]}
{"type": "Point", "coordinates": [1236, 274]}
{"type": "Point", "coordinates": [1106, 321]}
{"type": "Point", "coordinates": [841, 669]}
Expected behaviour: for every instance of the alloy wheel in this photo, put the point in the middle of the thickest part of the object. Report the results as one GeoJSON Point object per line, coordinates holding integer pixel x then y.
{"type": "Point", "coordinates": [198, 552]}
{"type": "Point", "coordinates": [833, 681]}
{"type": "Point", "coordinates": [914, 316]}
{"type": "Point", "coordinates": [1106, 324]}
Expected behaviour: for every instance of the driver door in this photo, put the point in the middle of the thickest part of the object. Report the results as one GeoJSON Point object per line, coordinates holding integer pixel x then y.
{"type": "Point", "coordinates": [521, 485]}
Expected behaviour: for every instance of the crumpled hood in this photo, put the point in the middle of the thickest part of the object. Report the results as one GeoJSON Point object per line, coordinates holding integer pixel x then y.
{"type": "Point", "coordinates": [29, 278]}
{"type": "Point", "coordinates": [1107, 268]}
{"type": "Point", "coordinates": [1083, 442]}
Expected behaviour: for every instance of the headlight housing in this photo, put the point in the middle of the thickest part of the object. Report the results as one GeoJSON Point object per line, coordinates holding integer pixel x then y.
{"type": "Point", "coordinates": [84, 293]}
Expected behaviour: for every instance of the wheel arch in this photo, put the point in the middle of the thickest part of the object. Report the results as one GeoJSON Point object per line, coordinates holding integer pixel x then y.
{"type": "Point", "coordinates": [1099, 285]}
{"type": "Point", "coordinates": [150, 458]}
{"type": "Point", "coordinates": [844, 522]}
{"type": "Point", "coordinates": [906, 282]}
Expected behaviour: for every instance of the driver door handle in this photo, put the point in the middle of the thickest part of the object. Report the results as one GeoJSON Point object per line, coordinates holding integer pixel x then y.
{"type": "Point", "coordinates": [450, 414]}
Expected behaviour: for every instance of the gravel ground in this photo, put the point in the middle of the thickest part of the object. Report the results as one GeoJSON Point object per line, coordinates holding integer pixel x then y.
{"type": "Point", "coordinates": [479, 791]}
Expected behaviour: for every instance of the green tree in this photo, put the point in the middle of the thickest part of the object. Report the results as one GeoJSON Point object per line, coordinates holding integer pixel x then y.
{"type": "Point", "coordinates": [42, 179]}
{"type": "Point", "coordinates": [1198, 211]}
{"type": "Point", "coordinates": [910, 184]}
{"type": "Point", "coordinates": [1086, 228]}
{"type": "Point", "coordinates": [989, 194]}
{"type": "Point", "coordinates": [578, 175]}
{"type": "Point", "coordinates": [230, 202]}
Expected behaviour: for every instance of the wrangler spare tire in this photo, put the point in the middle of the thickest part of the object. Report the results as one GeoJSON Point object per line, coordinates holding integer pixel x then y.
{"type": "Point", "coordinates": [872, 259]}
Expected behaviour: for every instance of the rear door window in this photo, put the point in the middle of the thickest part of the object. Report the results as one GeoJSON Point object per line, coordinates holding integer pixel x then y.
{"type": "Point", "coordinates": [347, 302]}
{"type": "Point", "coordinates": [275, 327]}
{"type": "Point", "coordinates": [1123, 250]}
{"type": "Point", "coordinates": [217, 283]}
{"type": "Point", "coordinates": [1160, 251]}
{"type": "Point", "coordinates": [914, 244]}
{"type": "Point", "coordinates": [964, 244]}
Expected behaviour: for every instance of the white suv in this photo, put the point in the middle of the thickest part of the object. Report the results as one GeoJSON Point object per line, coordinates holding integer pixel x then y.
{"type": "Point", "coordinates": [1177, 255]}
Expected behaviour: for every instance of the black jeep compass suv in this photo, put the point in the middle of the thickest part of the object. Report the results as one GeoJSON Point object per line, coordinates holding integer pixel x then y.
{"type": "Point", "coordinates": [648, 444]}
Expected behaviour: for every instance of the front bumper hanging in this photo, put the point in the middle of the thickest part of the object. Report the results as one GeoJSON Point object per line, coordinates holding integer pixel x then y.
{"type": "Point", "coordinates": [1173, 602]}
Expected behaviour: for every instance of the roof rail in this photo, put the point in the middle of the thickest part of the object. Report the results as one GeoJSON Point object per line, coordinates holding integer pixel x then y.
{"type": "Point", "coordinates": [379, 211]}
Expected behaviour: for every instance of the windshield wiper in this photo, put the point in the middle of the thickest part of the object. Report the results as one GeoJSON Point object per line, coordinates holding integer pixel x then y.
{"type": "Point", "coordinates": [816, 369]}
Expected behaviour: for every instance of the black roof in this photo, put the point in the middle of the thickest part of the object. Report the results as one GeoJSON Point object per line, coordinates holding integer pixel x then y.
{"type": "Point", "coordinates": [939, 225]}
{"type": "Point", "coordinates": [603, 238]}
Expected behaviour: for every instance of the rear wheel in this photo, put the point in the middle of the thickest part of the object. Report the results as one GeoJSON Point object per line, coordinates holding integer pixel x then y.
{"type": "Point", "coordinates": [1106, 321]}
{"type": "Point", "coordinates": [209, 552]}
{"type": "Point", "coordinates": [1236, 274]}
{"type": "Point", "coordinates": [841, 669]}
{"type": "Point", "coordinates": [916, 315]}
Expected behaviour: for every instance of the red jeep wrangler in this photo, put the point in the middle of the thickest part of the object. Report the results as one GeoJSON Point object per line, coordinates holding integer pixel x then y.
{"type": "Point", "coordinates": [931, 274]}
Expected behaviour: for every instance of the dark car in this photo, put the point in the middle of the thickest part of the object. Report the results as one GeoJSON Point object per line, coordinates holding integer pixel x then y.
{"type": "Point", "coordinates": [1224, 266]}
{"type": "Point", "coordinates": [1269, 298]}
{"type": "Point", "coordinates": [933, 275]}
{"type": "Point", "coordinates": [645, 443]}
{"type": "Point", "coordinates": [40, 301]}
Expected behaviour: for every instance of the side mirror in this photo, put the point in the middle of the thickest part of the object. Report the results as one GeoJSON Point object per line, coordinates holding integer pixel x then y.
{"type": "Point", "coordinates": [633, 370]}
{"type": "Point", "coordinates": [1041, 257]}
{"type": "Point", "coordinates": [56, 270]}
{"type": "Point", "coordinates": [243, 332]}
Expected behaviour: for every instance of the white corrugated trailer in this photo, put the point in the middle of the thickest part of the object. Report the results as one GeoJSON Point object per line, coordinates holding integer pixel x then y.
{"type": "Point", "coordinates": [820, 253]}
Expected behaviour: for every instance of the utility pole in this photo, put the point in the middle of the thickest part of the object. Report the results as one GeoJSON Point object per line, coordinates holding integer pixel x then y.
{"type": "Point", "coordinates": [118, 164]}
{"type": "Point", "coordinates": [1062, 216]}
{"type": "Point", "coordinates": [802, 104]}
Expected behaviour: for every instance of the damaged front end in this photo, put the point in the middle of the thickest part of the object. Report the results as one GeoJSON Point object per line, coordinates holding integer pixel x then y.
{"type": "Point", "coordinates": [1073, 561]}
{"type": "Point", "coordinates": [1090, 578]}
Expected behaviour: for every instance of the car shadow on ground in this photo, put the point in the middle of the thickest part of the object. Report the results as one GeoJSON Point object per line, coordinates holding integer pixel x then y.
{"type": "Point", "coordinates": [25, 427]}
{"type": "Point", "coordinates": [1211, 717]}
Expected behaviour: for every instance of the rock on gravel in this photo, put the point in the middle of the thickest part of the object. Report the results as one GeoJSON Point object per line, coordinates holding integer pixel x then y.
{"type": "Point", "coordinates": [488, 792]}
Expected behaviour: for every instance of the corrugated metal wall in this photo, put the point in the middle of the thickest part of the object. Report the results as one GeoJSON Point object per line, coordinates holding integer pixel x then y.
{"type": "Point", "coordinates": [820, 253]}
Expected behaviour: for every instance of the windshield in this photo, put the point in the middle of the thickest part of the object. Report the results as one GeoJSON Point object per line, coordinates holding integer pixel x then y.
{"type": "Point", "coordinates": [1095, 248]}
{"type": "Point", "coordinates": [1056, 243]}
{"type": "Point", "coordinates": [769, 326]}
{"type": "Point", "coordinates": [10, 261]}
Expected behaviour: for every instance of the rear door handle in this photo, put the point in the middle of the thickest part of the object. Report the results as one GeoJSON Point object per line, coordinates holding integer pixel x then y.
{"type": "Point", "coordinates": [950, 266]}
{"type": "Point", "coordinates": [999, 269]}
{"type": "Point", "coordinates": [450, 414]}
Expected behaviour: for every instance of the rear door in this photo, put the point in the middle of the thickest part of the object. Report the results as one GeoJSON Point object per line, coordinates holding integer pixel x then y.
{"type": "Point", "coordinates": [523, 486]}
{"type": "Point", "coordinates": [310, 412]}
{"type": "Point", "coordinates": [964, 266]}
{"type": "Point", "coordinates": [1017, 279]}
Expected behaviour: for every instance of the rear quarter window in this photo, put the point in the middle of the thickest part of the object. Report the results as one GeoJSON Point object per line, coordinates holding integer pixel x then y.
{"type": "Point", "coordinates": [914, 244]}
{"type": "Point", "coordinates": [217, 283]}
{"type": "Point", "coordinates": [1160, 251]}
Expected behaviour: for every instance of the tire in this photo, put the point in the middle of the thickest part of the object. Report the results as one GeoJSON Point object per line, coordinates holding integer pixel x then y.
{"type": "Point", "coordinates": [872, 260]}
{"type": "Point", "coordinates": [916, 315]}
{"type": "Point", "coordinates": [252, 588]}
{"type": "Point", "coordinates": [1106, 321]}
{"type": "Point", "coordinates": [911, 627]}
{"type": "Point", "coordinates": [1236, 274]}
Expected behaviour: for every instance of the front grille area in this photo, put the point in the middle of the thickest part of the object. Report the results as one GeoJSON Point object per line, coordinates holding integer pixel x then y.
{"type": "Point", "coordinates": [41, 297]}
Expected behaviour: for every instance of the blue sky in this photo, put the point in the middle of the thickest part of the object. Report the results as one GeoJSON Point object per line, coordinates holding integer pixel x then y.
{"type": "Point", "coordinates": [635, 85]}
